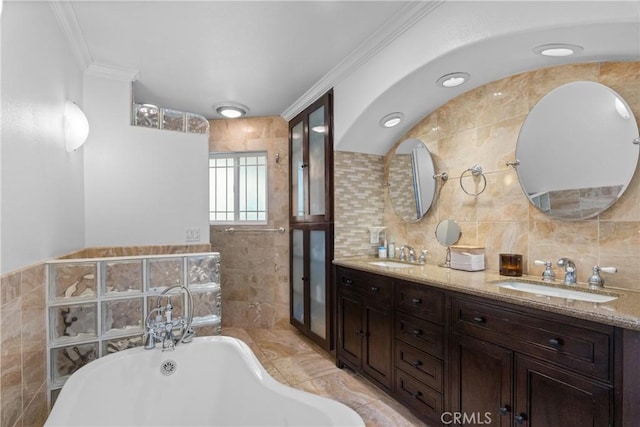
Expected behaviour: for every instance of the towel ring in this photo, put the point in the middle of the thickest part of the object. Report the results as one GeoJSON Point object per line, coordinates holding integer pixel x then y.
{"type": "Point", "coordinates": [475, 171]}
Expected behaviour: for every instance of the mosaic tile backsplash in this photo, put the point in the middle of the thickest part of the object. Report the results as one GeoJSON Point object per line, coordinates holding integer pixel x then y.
{"type": "Point", "coordinates": [359, 201]}
{"type": "Point", "coordinates": [482, 126]}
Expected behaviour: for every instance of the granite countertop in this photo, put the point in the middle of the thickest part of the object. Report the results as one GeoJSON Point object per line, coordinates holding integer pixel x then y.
{"type": "Point", "coordinates": [623, 312]}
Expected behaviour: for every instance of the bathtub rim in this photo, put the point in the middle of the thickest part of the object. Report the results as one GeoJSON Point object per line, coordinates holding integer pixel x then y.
{"type": "Point", "coordinates": [339, 413]}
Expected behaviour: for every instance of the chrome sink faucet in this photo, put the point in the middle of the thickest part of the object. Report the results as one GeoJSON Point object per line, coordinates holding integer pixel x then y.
{"type": "Point", "coordinates": [403, 255]}
{"type": "Point", "coordinates": [570, 271]}
{"type": "Point", "coordinates": [161, 330]}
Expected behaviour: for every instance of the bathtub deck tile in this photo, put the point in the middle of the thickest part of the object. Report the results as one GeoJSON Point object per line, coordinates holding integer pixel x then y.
{"type": "Point", "coordinates": [342, 387]}
{"type": "Point", "coordinates": [297, 369]}
{"type": "Point", "coordinates": [380, 414]}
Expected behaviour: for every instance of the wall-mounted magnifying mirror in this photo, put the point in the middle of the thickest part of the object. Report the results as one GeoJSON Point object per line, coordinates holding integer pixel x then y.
{"type": "Point", "coordinates": [576, 150]}
{"type": "Point", "coordinates": [412, 186]}
{"type": "Point", "coordinates": [447, 234]}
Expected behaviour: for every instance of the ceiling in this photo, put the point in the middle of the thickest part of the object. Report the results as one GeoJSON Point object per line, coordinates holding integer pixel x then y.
{"type": "Point", "coordinates": [276, 57]}
{"type": "Point", "coordinates": [192, 55]}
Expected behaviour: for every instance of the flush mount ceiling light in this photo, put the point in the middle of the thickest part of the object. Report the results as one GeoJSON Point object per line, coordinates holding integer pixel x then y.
{"type": "Point", "coordinates": [76, 126]}
{"type": "Point", "coordinates": [558, 49]}
{"type": "Point", "coordinates": [453, 79]}
{"type": "Point", "coordinates": [231, 110]}
{"type": "Point", "coordinates": [391, 120]}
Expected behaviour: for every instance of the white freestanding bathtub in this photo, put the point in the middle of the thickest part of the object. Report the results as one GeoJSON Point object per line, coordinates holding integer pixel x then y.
{"type": "Point", "coordinates": [212, 381]}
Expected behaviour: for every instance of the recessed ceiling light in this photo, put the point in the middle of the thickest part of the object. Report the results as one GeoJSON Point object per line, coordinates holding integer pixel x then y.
{"type": "Point", "coordinates": [453, 79]}
{"type": "Point", "coordinates": [391, 120]}
{"type": "Point", "coordinates": [558, 49]}
{"type": "Point", "coordinates": [231, 110]}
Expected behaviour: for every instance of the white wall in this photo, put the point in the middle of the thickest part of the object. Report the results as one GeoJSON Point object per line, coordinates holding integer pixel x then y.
{"type": "Point", "coordinates": [42, 213]}
{"type": "Point", "coordinates": [142, 186]}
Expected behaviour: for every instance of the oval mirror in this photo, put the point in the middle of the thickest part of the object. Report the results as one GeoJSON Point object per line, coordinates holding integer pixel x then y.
{"type": "Point", "coordinates": [576, 150]}
{"type": "Point", "coordinates": [412, 186]}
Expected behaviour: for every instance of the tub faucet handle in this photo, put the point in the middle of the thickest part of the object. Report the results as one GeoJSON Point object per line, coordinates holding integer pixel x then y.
{"type": "Point", "coordinates": [423, 256]}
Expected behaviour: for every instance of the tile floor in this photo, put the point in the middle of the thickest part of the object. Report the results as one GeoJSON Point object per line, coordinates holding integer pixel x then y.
{"type": "Point", "coordinates": [296, 361]}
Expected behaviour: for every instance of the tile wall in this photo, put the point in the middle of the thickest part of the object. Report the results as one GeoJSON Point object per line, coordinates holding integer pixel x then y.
{"type": "Point", "coordinates": [255, 265]}
{"type": "Point", "coordinates": [23, 341]}
{"type": "Point", "coordinates": [482, 126]}
{"type": "Point", "coordinates": [359, 202]}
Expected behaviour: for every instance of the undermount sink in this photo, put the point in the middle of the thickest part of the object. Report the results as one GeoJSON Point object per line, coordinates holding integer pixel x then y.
{"type": "Point", "coordinates": [542, 290]}
{"type": "Point", "coordinates": [390, 264]}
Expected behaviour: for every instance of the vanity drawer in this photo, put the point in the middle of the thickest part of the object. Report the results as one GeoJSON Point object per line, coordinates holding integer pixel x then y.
{"type": "Point", "coordinates": [375, 287]}
{"type": "Point", "coordinates": [349, 280]}
{"type": "Point", "coordinates": [420, 301]}
{"type": "Point", "coordinates": [423, 335]}
{"type": "Point", "coordinates": [420, 365]}
{"type": "Point", "coordinates": [578, 345]}
{"type": "Point", "coordinates": [418, 396]}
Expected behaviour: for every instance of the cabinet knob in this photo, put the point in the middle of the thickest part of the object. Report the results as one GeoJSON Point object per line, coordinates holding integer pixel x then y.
{"type": "Point", "coordinates": [347, 281]}
{"type": "Point", "coordinates": [416, 332]}
{"type": "Point", "coordinates": [416, 300]}
{"type": "Point", "coordinates": [520, 418]}
{"type": "Point", "coordinates": [417, 394]}
{"type": "Point", "coordinates": [302, 166]}
{"type": "Point", "coordinates": [504, 410]}
{"type": "Point", "coordinates": [375, 289]}
{"type": "Point", "coordinates": [479, 319]}
{"type": "Point", "coordinates": [360, 332]}
{"type": "Point", "coordinates": [555, 342]}
{"type": "Point", "coordinates": [416, 364]}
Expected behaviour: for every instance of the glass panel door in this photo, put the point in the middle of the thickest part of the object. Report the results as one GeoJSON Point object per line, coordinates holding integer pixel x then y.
{"type": "Point", "coordinates": [297, 278]}
{"type": "Point", "coordinates": [297, 171]}
{"type": "Point", "coordinates": [317, 289]}
{"type": "Point", "coordinates": [317, 132]}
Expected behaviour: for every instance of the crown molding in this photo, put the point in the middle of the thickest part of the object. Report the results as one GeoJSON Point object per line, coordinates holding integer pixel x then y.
{"type": "Point", "coordinates": [68, 21]}
{"type": "Point", "coordinates": [111, 72]}
{"type": "Point", "coordinates": [400, 22]}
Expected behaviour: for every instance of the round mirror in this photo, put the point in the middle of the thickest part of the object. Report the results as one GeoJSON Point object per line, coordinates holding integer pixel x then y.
{"type": "Point", "coordinates": [447, 232]}
{"type": "Point", "coordinates": [576, 150]}
{"type": "Point", "coordinates": [412, 186]}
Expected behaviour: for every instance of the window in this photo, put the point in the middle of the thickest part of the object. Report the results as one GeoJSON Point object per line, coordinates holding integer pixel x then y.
{"type": "Point", "coordinates": [238, 187]}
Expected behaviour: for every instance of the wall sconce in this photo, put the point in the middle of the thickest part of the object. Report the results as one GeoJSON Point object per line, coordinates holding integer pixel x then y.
{"type": "Point", "coordinates": [76, 126]}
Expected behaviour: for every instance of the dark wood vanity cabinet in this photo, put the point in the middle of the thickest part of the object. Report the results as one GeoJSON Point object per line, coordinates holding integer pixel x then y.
{"type": "Point", "coordinates": [419, 349]}
{"type": "Point", "coordinates": [364, 325]}
{"type": "Point", "coordinates": [516, 367]}
{"type": "Point", "coordinates": [497, 364]}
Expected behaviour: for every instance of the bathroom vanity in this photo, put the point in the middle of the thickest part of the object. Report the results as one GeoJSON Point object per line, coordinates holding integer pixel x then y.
{"type": "Point", "coordinates": [452, 344]}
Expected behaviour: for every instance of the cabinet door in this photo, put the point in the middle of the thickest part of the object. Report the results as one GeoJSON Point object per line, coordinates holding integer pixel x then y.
{"type": "Point", "coordinates": [547, 396]}
{"type": "Point", "coordinates": [298, 292]}
{"type": "Point", "coordinates": [310, 289]}
{"type": "Point", "coordinates": [318, 282]}
{"type": "Point", "coordinates": [481, 378]}
{"type": "Point", "coordinates": [377, 361]}
{"type": "Point", "coordinates": [311, 164]}
{"type": "Point", "coordinates": [350, 330]}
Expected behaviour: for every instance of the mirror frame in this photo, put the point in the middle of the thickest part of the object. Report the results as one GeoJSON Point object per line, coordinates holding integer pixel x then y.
{"type": "Point", "coordinates": [422, 182]}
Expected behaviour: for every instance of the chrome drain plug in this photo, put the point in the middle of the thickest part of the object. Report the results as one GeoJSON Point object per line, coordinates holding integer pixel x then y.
{"type": "Point", "coordinates": [168, 367]}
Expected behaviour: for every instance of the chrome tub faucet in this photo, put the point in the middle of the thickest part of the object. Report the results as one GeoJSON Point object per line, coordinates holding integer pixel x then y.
{"type": "Point", "coordinates": [161, 329]}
